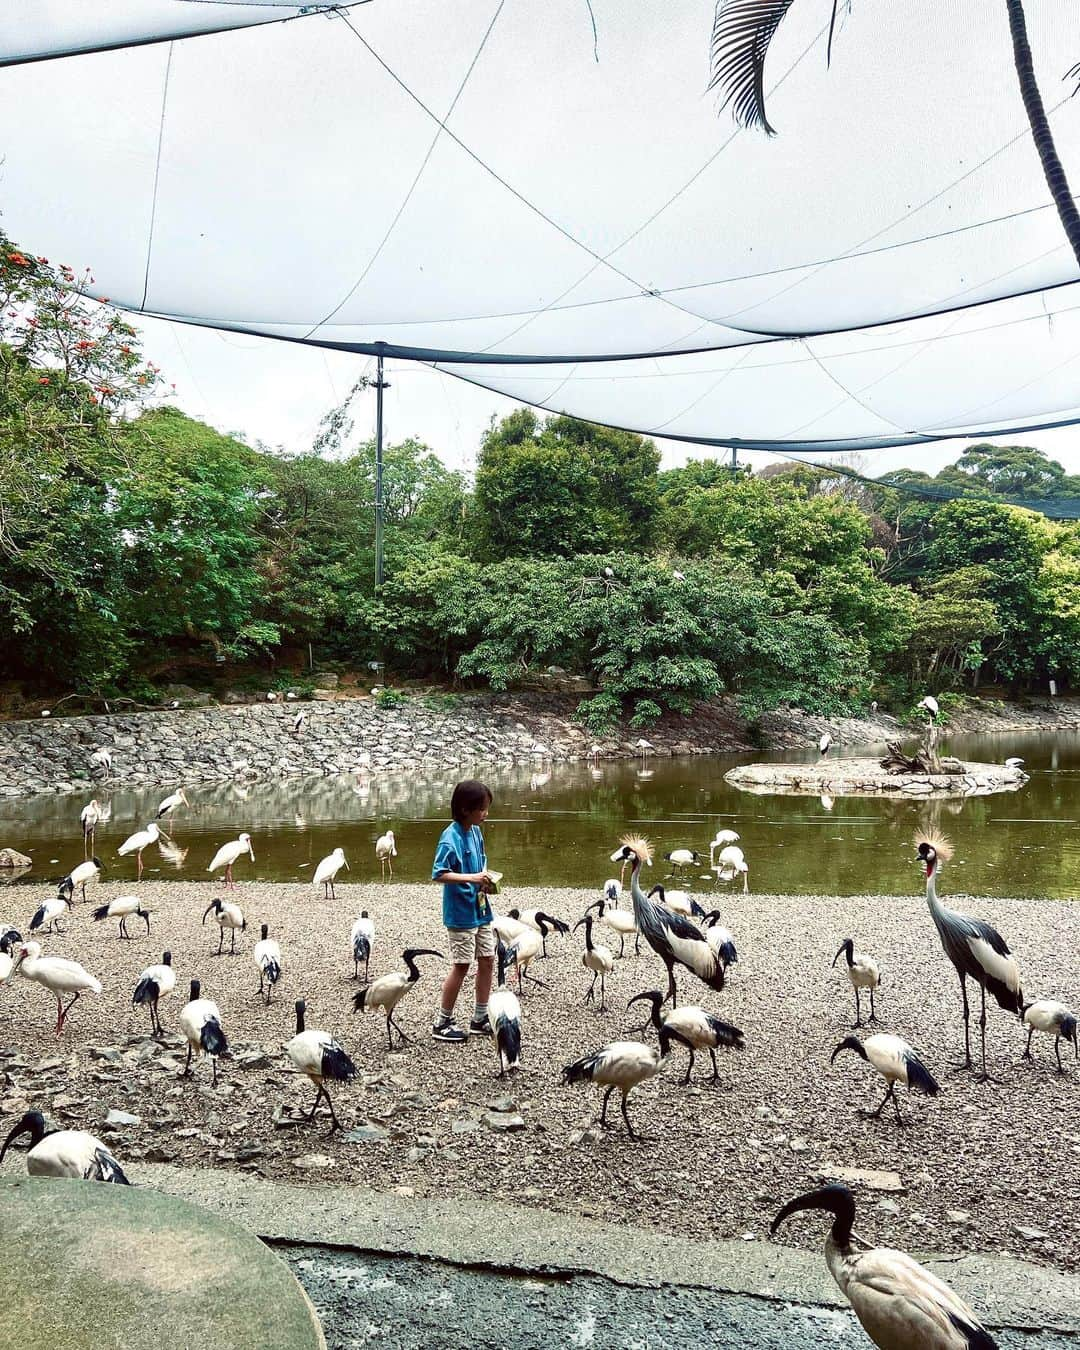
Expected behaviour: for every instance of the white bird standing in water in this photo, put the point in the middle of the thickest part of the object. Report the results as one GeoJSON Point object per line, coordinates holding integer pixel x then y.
{"type": "Point", "coordinates": [200, 1022]}
{"type": "Point", "coordinates": [56, 974]}
{"type": "Point", "coordinates": [135, 843]}
{"type": "Point", "coordinates": [155, 983]}
{"type": "Point", "coordinates": [169, 804]}
{"type": "Point", "coordinates": [723, 838]}
{"type": "Point", "coordinates": [327, 870]}
{"type": "Point", "coordinates": [226, 915]}
{"type": "Point", "coordinates": [267, 956]}
{"type": "Point", "coordinates": [64, 1153]}
{"type": "Point", "coordinates": [90, 817]}
{"type": "Point", "coordinates": [362, 940]}
{"type": "Point", "coordinates": [228, 853]}
{"type": "Point", "coordinates": [825, 744]}
{"type": "Point", "coordinates": [320, 1057]}
{"type": "Point", "coordinates": [731, 864]}
{"type": "Point", "coordinates": [386, 851]}
{"type": "Point", "coordinates": [900, 1304]}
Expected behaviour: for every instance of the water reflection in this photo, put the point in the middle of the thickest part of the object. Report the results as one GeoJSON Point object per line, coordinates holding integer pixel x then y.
{"type": "Point", "coordinates": [558, 826]}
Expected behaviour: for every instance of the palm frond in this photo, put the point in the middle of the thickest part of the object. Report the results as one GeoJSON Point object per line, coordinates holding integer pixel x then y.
{"type": "Point", "coordinates": [742, 32]}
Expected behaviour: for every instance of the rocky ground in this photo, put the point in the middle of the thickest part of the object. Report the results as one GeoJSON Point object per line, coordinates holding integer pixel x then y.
{"type": "Point", "coordinates": [987, 1167]}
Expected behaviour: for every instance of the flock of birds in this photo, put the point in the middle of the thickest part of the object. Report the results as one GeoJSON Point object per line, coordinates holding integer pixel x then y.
{"type": "Point", "coordinates": [898, 1302]}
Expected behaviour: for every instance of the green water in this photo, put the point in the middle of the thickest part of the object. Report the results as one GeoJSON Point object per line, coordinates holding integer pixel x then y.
{"type": "Point", "coordinates": [558, 829]}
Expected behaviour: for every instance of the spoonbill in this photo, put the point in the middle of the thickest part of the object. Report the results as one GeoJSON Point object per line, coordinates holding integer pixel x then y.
{"type": "Point", "coordinates": [56, 974]}
{"type": "Point", "coordinates": [327, 870]}
{"type": "Point", "coordinates": [90, 817]}
{"type": "Point", "coordinates": [732, 863]}
{"type": "Point", "coordinates": [386, 851]}
{"type": "Point", "coordinates": [228, 853]}
{"type": "Point", "coordinates": [723, 838]}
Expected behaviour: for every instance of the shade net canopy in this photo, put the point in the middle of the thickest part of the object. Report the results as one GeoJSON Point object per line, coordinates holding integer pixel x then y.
{"type": "Point", "coordinates": [545, 200]}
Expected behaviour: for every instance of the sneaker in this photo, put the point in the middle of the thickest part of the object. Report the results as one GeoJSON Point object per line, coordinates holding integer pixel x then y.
{"type": "Point", "coordinates": [480, 1028]}
{"type": "Point", "coordinates": [450, 1032]}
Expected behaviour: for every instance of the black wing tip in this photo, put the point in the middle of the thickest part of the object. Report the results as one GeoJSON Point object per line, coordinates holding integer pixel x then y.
{"type": "Point", "coordinates": [920, 1078]}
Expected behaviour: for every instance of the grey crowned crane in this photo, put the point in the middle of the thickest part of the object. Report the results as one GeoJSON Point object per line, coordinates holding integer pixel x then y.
{"type": "Point", "coordinates": [977, 950]}
{"type": "Point", "coordinates": [679, 902]}
{"type": "Point", "coordinates": [896, 1062]}
{"type": "Point", "coordinates": [682, 858]}
{"type": "Point", "coordinates": [86, 874]}
{"type": "Point", "coordinates": [200, 1022]}
{"type": "Point", "coordinates": [1056, 1020]}
{"type": "Point", "coordinates": [620, 921]}
{"type": "Point", "coordinates": [387, 991]}
{"type": "Point", "coordinates": [49, 912]}
{"type": "Point", "coordinates": [64, 1153]}
{"type": "Point", "coordinates": [227, 855]}
{"type": "Point", "coordinates": [825, 744]}
{"type": "Point", "coordinates": [327, 870]}
{"type": "Point", "coordinates": [135, 843]}
{"type": "Point", "coordinates": [596, 958]}
{"type": "Point", "coordinates": [674, 939]}
{"type": "Point", "coordinates": [524, 949]}
{"type": "Point", "coordinates": [362, 940]}
{"type": "Point", "coordinates": [267, 956]}
{"type": "Point", "coordinates": [899, 1303]}
{"type": "Point", "coordinates": [720, 939]}
{"type": "Point", "coordinates": [155, 983]}
{"type": "Point", "coordinates": [168, 804]}
{"type": "Point", "coordinates": [318, 1055]}
{"type": "Point", "coordinates": [386, 852]}
{"type": "Point", "coordinates": [122, 908]}
{"type": "Point", "coordinates": [226, 915]}
{"type": "Point", "coordinates": [862, 973]}
{"type": "Point", "coordinates": [622, 1065]}
{"type": "Point", "coordinates": [532, 918]}
{"type": "Point", "coordinates": [56, 974]}
{"type": "Point", "coordinates": [694, 1027]}
{"type": "Point", "coordinates": [504, 1017]}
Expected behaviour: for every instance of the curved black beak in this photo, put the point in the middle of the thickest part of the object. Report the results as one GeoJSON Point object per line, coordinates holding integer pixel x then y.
{"type": "Point", "coordinates": [414, 952]}
{"type": "Point", "coordinates": [144, 914]}
{"type": "Point", "coordinates": [214, 904]}
{"type": "Point", "coordinates": [848, 1043]}
{"type": "Point", "coordinates": [836, 1200]}
{"type": "Point", "coordinates": [32, 1123]}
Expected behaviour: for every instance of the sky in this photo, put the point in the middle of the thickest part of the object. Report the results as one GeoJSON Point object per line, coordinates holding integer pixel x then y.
{"type": "Point", "coordinates": [277, 392]}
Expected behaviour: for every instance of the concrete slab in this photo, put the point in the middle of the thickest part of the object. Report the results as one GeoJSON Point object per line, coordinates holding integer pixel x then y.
{"type": "Point", "coordinates": [89, 1266]}
{"type": "Point", "coordinates": [532, 1241]}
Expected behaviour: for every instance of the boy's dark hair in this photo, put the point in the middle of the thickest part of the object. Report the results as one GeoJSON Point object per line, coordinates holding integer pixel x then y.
{"type": "Point", "coordinates": [469, 796]}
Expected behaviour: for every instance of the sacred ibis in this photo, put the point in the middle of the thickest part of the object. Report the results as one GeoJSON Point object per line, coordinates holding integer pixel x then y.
{"type": "Point", "coordinates": [620, 921]}
{"type": "Point", "coordinates": [86, 874]}
{"type": "Point", "coordinates": [613, 891]}
{"type": "Point", "coordinates": [318, 1055]}
{"type": "Point", "coordinates": [228, 853]}
{"type": "Point", "coordinates": [622, 1065]}
{"type": "Point", "coordinates": [327, 870]}
{"type": "Point", "coordinates": [200, 1022]}
{"type": "Point", "coordinates": [56, 974]}
{"type": "Point", "coordinates": [267, 956]}
{"type": "Point", "coordinates": [825, 744]}
{"type": "Point", "coordinates": [155, 983]}
{"type": "Point", "coordinates": [298, 722]}
{"type": "Point", "coordinates": [524, 949]}
{"type": "Point", "coordinates": [1056, 1020]}
{"type": "Point", "coordinates": [169, 804]}
{"type": "Point", "coordinates": [387, 991]}
{"type": "Point", "coordinates": [896, 1062]}
{"type": "Point", "coordinates": [504, 1018]}
{"type": "Point", "coordinates": [681, 858]}
{"type": "Point", "coordinates": [64, 1153]}
{"type": "Point", "coordinates": [226, 915]}
{"type": "Point", "coordinates": [1013, 762]}
{"type": "Point", "coordinates": [900, 1304]}
{"type": "Point", "coordinates": [694, 1027]}
{"type": "Point", "coordinates": [49, 912]}
{"type": "Point", "coordinates": [386, 852]}
{"type": "Point", "coordinates": [362, 939]}
{"type": "Point", "coordinates": [532, 918]}
{"type": "Point", "coordinates": [596, 958]}
{"type": "Point", "coordinates": [862, 973]}
{"type": "Point", "coordinates": [679, 902]}
{"type": "Point", "coordinates": [8, 939]}
{"type": "Point", "coordinates": [122, 908]}
{"type": "Point", "coordinates": [507, 928]}
{"type": "Point", "coordinates": [676, 940]}
{"type": "Point", "coordinates": [731, 864]}
{"type": "Point", "coordinates": [977, 950]}
{"type": "Point", "coordinates": [720, 939]}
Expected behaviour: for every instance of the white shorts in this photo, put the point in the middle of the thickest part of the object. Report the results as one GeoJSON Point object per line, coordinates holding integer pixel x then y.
{"type": "Point", "coordinates": [467, 943]}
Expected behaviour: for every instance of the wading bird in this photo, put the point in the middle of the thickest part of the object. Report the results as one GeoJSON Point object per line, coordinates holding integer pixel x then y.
{"type": "Point", "coordinates": [386, 852]}
{"type": "Point", "coordinates": [532, 918]}
{"type": "Point", "coordinates": [523, 950]}
{"type": "Point", "coordinates": [90, 817]}
{"type": "Point", "coordinates": [298, 722]}
{"type": "Point", "coordinates": [900, 1304]}
{"type": "Point", "coordinates": [64, 1153]}
{"type": "Point", "coordinates": [863, 973]}
{"type": "Point", "coordinates": [895, 1060]}
{"type": "Point", "coordinates": [155, 983]}
{"type": "Point", "coordinates": [622, 1065]}
{"type": "Point", "coordinates": [102, 759]}
{"type": "Point", "coordinates": [598, 959]}
{"type": "Point", "coordinates": [1056, 1020]}
{"type": "Point", "coordinates": [930, 704]}
{"type": "Point", "coordinates": [228, 853]}
{"type": "Point", "coordinates": [320, 1057]}
{"type": "Point", "coordinates": [49, 912]}
{"type": "Point", "coordinates": [327, 870]}
{"type": "Point", "coordinates": [731, 864]}
{"type": "Point", "coordinates": [976, 949]}
{"type": "Point", "coordinates": [135, 843]}
{"type": "Point", "coordinates": [267, 956]}
{"type": "Point", "coordinates": [56, 974]}
{"type": "Point", "coordinates": [504, 1018]}
{"type": "Point", "coordinates": [362, 939]}
{"type": "Point", "coordinates": [720, 939]}
{"type": "Point", "coordinates": [681, 858]}
{"type": "Point", "coordinates": [200, 1022]}
{"type": "Point", "coordinates": [169, 804]}
{"type": "Point", "coordinates": [694, 1027]}
{"type": "Point", "coordinates": [507, 928]}
{"type": "Point", "coordinates": [674, 939]}
{"type": "Point", "coordinates": [387, 991]}
{"type": "Point", "coordinates": [825, 744]}
{"type": "Point", "coordinates": [679, 902]}
{"type": "Point", "coordinates": [723, 838]}
{"type": "Point", "coordinates": [226, 915]}
{"type": "Point", "coordinates": [86, 874]}
{"type": "Point", "coordinates": [644, 747]}
{"type": "Point", "coordinates": [620, 921]}
{"type": "Point", "coordinates": [122, 908]}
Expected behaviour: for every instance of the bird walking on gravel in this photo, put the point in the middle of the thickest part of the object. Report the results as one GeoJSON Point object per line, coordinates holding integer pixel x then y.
{"type": "Point", "coordinates": [85, 874]}
{"type": "Point", "coordinates": [899, 1303]}
{"type": "Point", "coordinates": [7, 961]}
{"type": "Point", "coordinates": [620, 1065]}
{"type": "Point", "coordinates": [135, 843]}
{"type": "Point", "coordinates": [504, 1018]}
{"type": "Point", "coordinates": [318, 1055]}
{"type": "Point", "coordinates": [122, 908]}
{"type": "Point", "coordinates": [200, 1023]}
{"type": "Point", "coordinates": [267, 956]}
{"type": "Point", "coordinates": [327, 870]}
{"type": "Point", "coordinates": [49, 912]}
{"type": "Point", "coordinates": [524, 949]}
{"type": "Point", "coordinates": [64, 1153]}
{"type": "Point", "coordinates": [896, 1062]}
{"type": "Point", "coordinates": [1056, 1020]}
{"type": "Point", "coordinates": [596, 958]}
{"type": "Point", "coordinates": [155, 983]}
{"type": "Point", "coordinates": [534, 918]}
{"type": "Point", "coordinates": [976, 949]}
{"type": "Point", "coordinates": [694, 1027]}
{"type": "Point", "coordinates": [387, 991]}
{"type": "Point", "coordinates": [228, 854]}
{"type": "Point", "coordinates": [620, 921]}
{"type": "Point", "coordinates": [362, 940]}
{"type": "Point", "coordinates": [386, 852]}
{"type": "Point", "coordinates": [56, 974]}
{"type": "Point", "coordinates": [679, 902]}
{"type": "Point", "coordinates": [226, 915]}
{"type": "Point", "coordinates": [862, 973]}
{"type": "Point", "coordinates": [720, 939]}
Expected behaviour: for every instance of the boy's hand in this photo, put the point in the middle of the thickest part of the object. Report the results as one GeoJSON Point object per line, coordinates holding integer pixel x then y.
{"type": "Point", "coordinates": [484, 881]}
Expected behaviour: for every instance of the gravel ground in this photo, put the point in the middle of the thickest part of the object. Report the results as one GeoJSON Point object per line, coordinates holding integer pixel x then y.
{"type": "Point", "coordinates": [978, 1164]}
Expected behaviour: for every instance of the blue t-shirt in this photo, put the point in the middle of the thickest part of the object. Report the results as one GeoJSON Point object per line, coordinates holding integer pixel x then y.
{"type": "Point", "coordinates": [464, 905]}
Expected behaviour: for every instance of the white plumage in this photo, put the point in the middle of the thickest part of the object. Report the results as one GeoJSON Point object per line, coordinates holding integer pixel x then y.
{"type": "Point", "coordinates": [930, 704]}
{"type": "Point", "coordinates": [693, 1027]}
{"type": "Point", "coordinates": [135, 843]}
{"type": "Point", "coordinates": [327, 870]}
{"type": "Point", "coordinates": [64, 1153]}
{"type": "Point", "coordinates": [90, 817]}
{"type": "Point", "coordinates": [122, 908]}
{"type": "Point", "coordinates": [386, 851]}
{"type": "Point", "coordinates": [596, 958]}
{"type": "Point", "coordinates": [1013, 762]}
{"type": "Point", "coordinates": [60, 976]}
{"type": "Point", "coordinates": [320, 1057]}
{"type": "Point", "coordinates": [613, 890]}
{"type": "Point", "coordinates": [620, 921]}
{"type": "Point", "coordinates": [85, 874]}
{"type": "Point", "coordinates": [1056, 1020]}
{"type": "Point", "coordinates": [49, 912]}
{"type": "Point", "coordinates": [620, 1065]}
{"type": "Point", "coordinates": [171, 802]}
{"type": "Point", "coordinates": [267, 956]}
{"type": "Point", "coordinates": [387, 991]}
{"type": "Point", "coordinates": [732, 863]}
{"type": "Point", "coordinates": [678, 902]}
{"type": "Point", "coordinates": [896, 1062]}
{"type": "Point", "coordinates": [102, 759]}
{"type": "Point", "coordinates": [228, 853]}
{"type": "Point", "coordinates": [862, 973]}
{"type": "Point", "coordinates": [362, 941]}
{"type": "Point", "coordinates": [522, 951]}
{"type": "Point", "coordinates": [200, 1023]}
{"type": "Point", "coordinates": [155, 983]}
{"type": "Point", "coordinates": [723, 837]}
{"type": "Point", "coordinates": [504, 1018]}
{"type": "Point", "coordinates": [825, 743]}
{"type": "Point", "coordinates": [226, 915]}
{"type": "Point", "coordinates": [721, 940]}
{"type": "Point", "coordinates": [507, 928]}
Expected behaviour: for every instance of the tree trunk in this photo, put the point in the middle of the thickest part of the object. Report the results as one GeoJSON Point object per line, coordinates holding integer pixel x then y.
{"type": "Point", "coordinates": [1040, 127]}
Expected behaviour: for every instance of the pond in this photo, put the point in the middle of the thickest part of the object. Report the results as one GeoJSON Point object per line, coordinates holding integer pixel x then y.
{"type": "Point", "coordinates": [557, 828]}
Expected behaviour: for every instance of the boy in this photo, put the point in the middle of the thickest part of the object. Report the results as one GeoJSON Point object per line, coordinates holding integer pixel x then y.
{"type": "Point", "coordinates": [461, 865]}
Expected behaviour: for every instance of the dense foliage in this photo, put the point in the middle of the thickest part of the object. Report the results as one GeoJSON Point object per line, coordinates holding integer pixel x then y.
{"type": "Point", "coordinates": [137, 543]}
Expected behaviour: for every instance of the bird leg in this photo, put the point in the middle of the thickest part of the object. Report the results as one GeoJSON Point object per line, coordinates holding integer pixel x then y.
{"type": "Point", "coordinates": [875, 1115]}
{"type": "Point", "coordinates": [715, 1070]}
{"type": "Point", "coordinates": [123, 930]}
{"type": "Point", "coordinates": [1057, 1054]}
{"type": "Point", "coordinates": [1027, 1048]}
{"type": "Point", "coordinates": [221, 941]}
{"type": "Point", "coordinates": [630, 1129]}
{"type": "Point", "coordinates": [405, 1040]}
{"type": "Point", "coordinates": [232, 941]}
{"type": "Point", "coordinates": [228, 876]}
{"type": "Point", "coordinates": [637, 944]}
{"type": "Point", "coordinates": [138, 859]}
{"type": "Point", "coordinates": [589, 997]}
{"type": "Point", "coordinates": [671, 986]}
{"type": "Point", "coordinates": [873, 1013]}
{"type": "Point", "coordinates": [858, 1008]}
{"type": "Point", "coordinates": [601, 993]}
{"type": "Point", "coordinates": [64, 1012]}
{"type": "Point", "coordinates": [335, 1124]}
{"type": "Point", "coordinates": [984, 1077]}
{"type": "Point", "coordinates": [603, 1109]}
{"type": "Point", "coordinates": [213, 1063]}
{"type": "Point", "coordinates": [956, 1068]}
{"type": "Point", "coordinates": [535, 979]}
{"type": "Point", "coordinates": [261, 976]}
{"type": "Point", "coordinates": [689, 1067]}
{"type": "Point", "coordinates": [622, 946]}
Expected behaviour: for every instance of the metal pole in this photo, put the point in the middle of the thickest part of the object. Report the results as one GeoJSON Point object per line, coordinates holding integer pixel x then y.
{"type": "Point", "coordinates": [380, 385]}
{"type": "Point", "coordinates": [734, 461]}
